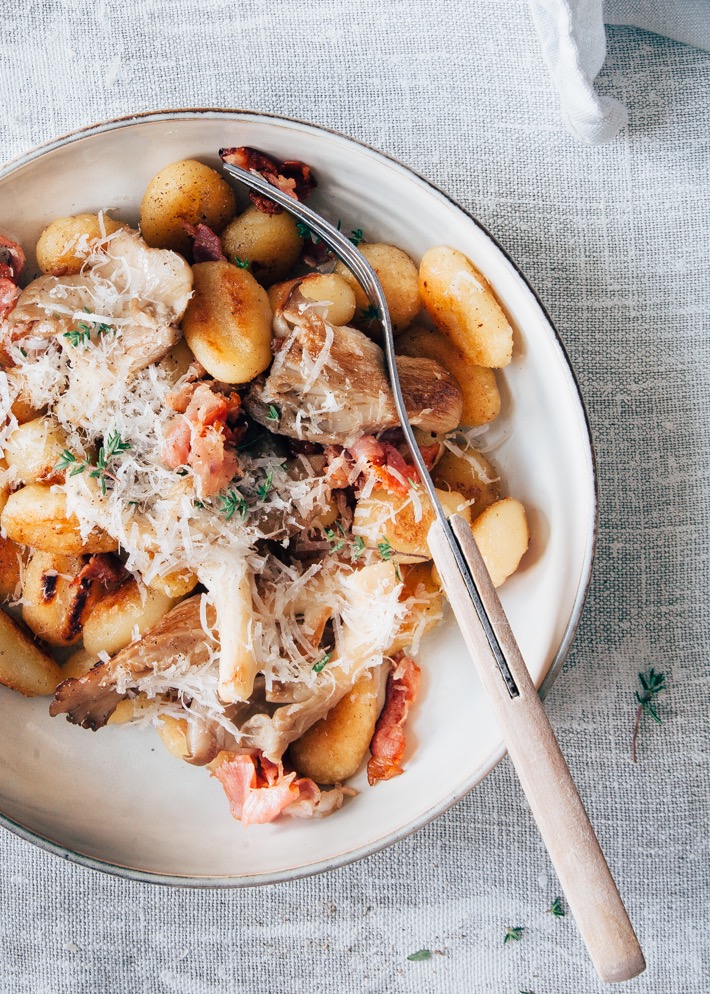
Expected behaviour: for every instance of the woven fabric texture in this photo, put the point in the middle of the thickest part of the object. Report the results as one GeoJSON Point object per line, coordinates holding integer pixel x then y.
{"type": "Point", "coordinates": [615, 240]}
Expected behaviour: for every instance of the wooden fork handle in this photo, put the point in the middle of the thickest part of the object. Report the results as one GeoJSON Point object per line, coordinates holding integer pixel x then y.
{"type": "Point", "coordinates": [556, 806]}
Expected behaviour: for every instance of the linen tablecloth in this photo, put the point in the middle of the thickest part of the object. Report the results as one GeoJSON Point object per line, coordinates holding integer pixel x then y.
{"type": "Point", "coordinates": [615, 240]}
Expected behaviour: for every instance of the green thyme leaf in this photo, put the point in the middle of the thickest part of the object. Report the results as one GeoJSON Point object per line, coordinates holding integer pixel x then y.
{"type": "Point", "coordinates": [370, 314]}
{"type": "Point", "coordinates": [322, 662]}
{"type": "Point", "coordinates": [78, 336]}
{"type": "Point", "coordinates": [231, 503]}
{"type": "Point", "coordinates": [358, 547]}
{"type": "Point", "coordinates": [336, 542]}
{"type": "Point", "coordinates": [385, 549]}
{"type": "Point", "coordinates": [420, 955]}
{"type": "Point", "coordinates": [274, 413]}
{"type": "Point", "coordinates": [652, 683]}
{"type": "Point", "coordinates": [264, 488]}
{"type": "Point", "coordinates": [241, 263]}
{"type": "Point", "coordinates": [356, 236]}
{"type": "Point", "coordinates": [514, 933]}
{"type": "Point", "coordinates": [556, 908]}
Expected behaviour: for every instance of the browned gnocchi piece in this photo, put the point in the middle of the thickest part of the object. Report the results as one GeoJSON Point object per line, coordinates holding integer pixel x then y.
{"type": "Point", "coordinates": [422, 589]}
{"type": "Point", "coordinates": [36, 515]}
{"type": "Point", "coordinates": [469, 474]}
{"type": "Point", "coordinates": [461, 303]}
{"type": "Point", "coordinates": [65, 244]}
{"type": "Point", "coordinates": [334, 748]}
{"type": "Point", "coordinates": [184, 192]}
{"type": "Point", "coordinates": [389, 521]}
{"type": "Point", "coordinates": [397, 274]}
{"type": "Point", "coordinates": [227, 323]}
{"type": "Point", "coordinates": [113, 622]}
{"type": "Point", "coordinates": [329, 289]}
{"type": "Point", "coordinates": [55, 601]}
{"type": "Point", "coordinates": [481, 398]}
{"type": "Point", "coordinates": [267, 244]}
{"type": "Point", "coordinates": [33, 450]}
{"type": "Point", "coordinates": [24, 667]}
{"type": "Point", "coordinates": [11, 557]}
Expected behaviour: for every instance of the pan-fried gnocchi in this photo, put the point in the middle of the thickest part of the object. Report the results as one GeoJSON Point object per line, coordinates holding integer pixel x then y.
{"type": "Point", "coordinates": [208, 513]}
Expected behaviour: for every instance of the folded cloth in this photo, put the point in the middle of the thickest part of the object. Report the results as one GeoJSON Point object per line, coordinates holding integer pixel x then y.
{"type": "Point", "coordinates": [573, 44]}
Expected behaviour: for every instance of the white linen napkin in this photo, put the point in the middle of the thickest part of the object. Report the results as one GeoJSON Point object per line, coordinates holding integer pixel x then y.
{"type": "Point", "coordinates": [573, 44]}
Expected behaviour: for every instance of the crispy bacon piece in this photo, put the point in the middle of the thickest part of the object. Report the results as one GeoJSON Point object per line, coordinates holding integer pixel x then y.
{"type": "Point", "coordinates": [375, 457]}
{"type": "Point", "coordinates": [206, 244]}
{"type": "Point", "coordinates": [12, 262]}
{"type": "Point", "coordinates": [389, 742]}
{"type": "Point", "coordinates": [259, 791]}
{"type": "Point", "coordinates": [203, 435]}
{"type": "Point", "coordinates": [291, 176]}
{"type": "Point", "coordinates": [106, 569]}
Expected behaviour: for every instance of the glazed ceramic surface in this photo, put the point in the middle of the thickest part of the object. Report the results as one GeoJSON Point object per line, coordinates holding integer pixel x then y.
{"type": "Point", "coordinates": [116, 799]}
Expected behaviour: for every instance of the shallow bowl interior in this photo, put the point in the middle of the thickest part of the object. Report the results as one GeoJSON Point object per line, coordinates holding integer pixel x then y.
{"type": "Point", "coordinates": [115, 799]}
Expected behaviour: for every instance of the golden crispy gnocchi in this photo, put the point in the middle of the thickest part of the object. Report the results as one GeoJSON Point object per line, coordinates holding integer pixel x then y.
{"type": "Point", "coordinates": [479, 390]}
{"type": "Point", "coordinates": [113, 622]}
{"type": "Point", "coordinates": [502, 536]}
{"type": "Point", "coordinates": [419, 584]}
{"type": "Point", "coordinates": [36, 515]}
{"type": "Point", "coordinates": [184, 192]}
{"type": "Point", "coordinates": [24, 667]}
{"type": "Point", "coordinates": [11, 559]}
{"type": "Point", "coordinates": [469, 474]}
{"type": "Point", "coordinates": [461, 303]}
{"type": "Point", "coordinates": [33, 450]}
{"type": "Point", "coordinates": [227, 323]}
{"type": "Point", "coordinates": [56, 598]}
{"type": "Point", "coordinates": [268, 245]}
{"type": "Point", "coordinates": [329, 289]}
{"type": "Point", "coordinates": [64, 245]}
{"type": "Point", "coordinates": [334, 748]}
{"type": "Point", "coordinates": [397, 274]}
{"type": "Point", "coordinates": [398, 526]}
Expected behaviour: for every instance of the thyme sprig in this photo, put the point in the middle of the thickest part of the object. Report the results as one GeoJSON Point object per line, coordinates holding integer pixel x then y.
{"type": "Point", "coordinates": [356, 236]}
{"type": "Point", "coordinates": [263, 489]}
{"type": "Point", "coordinates": [113, 446]}
{"type": "Point", "coordinates": [231, 503]}
{"type": "Point", "coordinates": [386, 552]}
{"type": "Point", "coordinates": [514, 933]}
{"type": "Point", "coordinates": [358, 547]}
{"type": "Point", "coordinates": [556, 909]}
{"type": "Point", "coordinates": [370, 314]}
{"type": "Point", "coordinates": [337, 541]}
{"type": "Point", "coordinates": [652, 684]}
{"type": "Point", "coordinates": [323, 661]}
{"type": "Point", "coordinates": [82, 333]}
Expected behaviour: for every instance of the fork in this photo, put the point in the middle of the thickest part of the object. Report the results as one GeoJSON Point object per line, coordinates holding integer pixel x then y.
{"type": "Point", "coordinates": [533, 748]}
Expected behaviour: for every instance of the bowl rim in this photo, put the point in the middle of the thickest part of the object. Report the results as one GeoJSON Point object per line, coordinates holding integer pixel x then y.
{"type": "Point", "coordinates": [360, 852]}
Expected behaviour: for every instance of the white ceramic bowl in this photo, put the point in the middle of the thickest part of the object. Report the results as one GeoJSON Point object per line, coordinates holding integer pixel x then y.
{"type": "Point", "coordinates": [115, 800]}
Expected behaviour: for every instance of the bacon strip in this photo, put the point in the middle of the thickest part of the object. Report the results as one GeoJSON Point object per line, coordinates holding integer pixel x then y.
{"type": "Point", "coordinates": [12, 262]}
{"type": "Point", "coordinates": [259, 791]}
{"type": "Point", "coordinates": [106, 569]}
{"type": "Point", "coordinates": [380, 459]}
{"type": "Point", "coordinates": [291, 176]}
{"type": "Point", "coordinates": [206, 244]}
{"type": "Point", "coordinates": [389, 742]}
{"type": "Point", "coordinates": [203, 435]}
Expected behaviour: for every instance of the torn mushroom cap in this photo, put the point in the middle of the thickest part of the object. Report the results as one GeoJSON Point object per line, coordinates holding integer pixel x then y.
{"type": "Point", "coordinates": [330, 383]}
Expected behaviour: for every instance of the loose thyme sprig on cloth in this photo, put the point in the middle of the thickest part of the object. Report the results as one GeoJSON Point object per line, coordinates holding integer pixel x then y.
{"type": "Point", "coordinates": [652, 684]}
